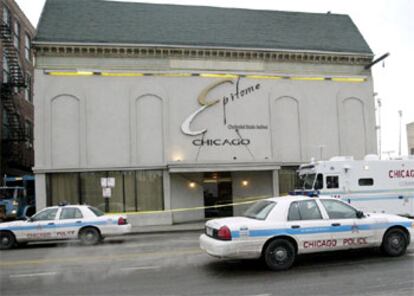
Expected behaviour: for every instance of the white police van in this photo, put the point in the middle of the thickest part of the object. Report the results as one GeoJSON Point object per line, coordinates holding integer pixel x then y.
{"type": "Point", "coordinates": [82, 222]}
{"type": "Point", "coordinates": [278, 229]}
{"type": "Point", "coordinates": [374, 185]}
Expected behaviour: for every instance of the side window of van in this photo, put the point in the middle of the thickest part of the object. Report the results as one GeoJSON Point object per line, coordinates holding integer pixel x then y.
{"type": "Point", "coordinates": [332, 182]}
{"type": "Point", "coordinates": [319, 182]}
{"type": "Point", "coordinates": [366, 182]}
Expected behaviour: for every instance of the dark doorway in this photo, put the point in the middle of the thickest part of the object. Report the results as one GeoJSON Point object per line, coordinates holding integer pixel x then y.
{"type": "Point", "coordinates": [217, 189]}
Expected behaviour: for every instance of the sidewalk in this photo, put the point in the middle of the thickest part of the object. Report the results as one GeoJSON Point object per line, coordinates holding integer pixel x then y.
{"type": "Point", "coordinates": [181, 227]}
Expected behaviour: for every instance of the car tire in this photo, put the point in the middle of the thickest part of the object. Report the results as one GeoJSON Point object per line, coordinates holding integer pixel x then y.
{"type": "Point", "coordinates": [279, 254]}
{"type": "Point", "coordinates": [7, 240]}
{"type": "Point", "coordinates": [394, 243]}
{"type": "Point", "coordinates": [89, 236]}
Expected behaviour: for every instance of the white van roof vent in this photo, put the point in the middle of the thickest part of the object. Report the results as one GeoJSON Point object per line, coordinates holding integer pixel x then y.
{"type": "Point", "coordinates": [371, 157]}
{"type": "Point", "coordinates": [341, 158]}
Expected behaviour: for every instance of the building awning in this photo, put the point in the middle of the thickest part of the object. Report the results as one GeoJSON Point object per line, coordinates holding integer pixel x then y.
{"type": "Point", "coordinates": [182, 167]}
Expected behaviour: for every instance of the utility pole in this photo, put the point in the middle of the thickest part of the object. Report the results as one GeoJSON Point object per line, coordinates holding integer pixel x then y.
{"type": "Point", "coordinates": [378, 126]}
{"type": "Point", "coordinates": [400, 113]}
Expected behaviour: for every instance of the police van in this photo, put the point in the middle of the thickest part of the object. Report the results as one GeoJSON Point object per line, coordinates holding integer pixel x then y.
{"type": "Point", "coordinates": [371, 184]}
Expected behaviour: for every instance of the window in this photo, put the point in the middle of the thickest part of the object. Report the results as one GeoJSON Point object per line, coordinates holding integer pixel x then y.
{"type": "Point", "coordinates": [149, 190]}
{"type": "Point", "coordinates": [6, 16]}
{"type": "Point", "coordinates": [63, 187]}
{"type": "Point", "coordinates": [133, 191]}
{"type": "Point", "coordinates": [48, 214]}
{"type": "Point", "coordinates": [339, 210]}
{"type": "Point", "coordinates": [288, 180]}
{"type": "Point", "coordinates": [5, 123]}
{"type": "Point", "coordinates": [307, 181]}
{"type": "Point", "coordinates": [28, 94]}
{"type": "Point", "coordinates": [29, 134]}
{"type": "Point", "coordinates": [70, 213]}
{"type": "Point", "coordinates": [366, 182]}
{"type": "Point", "coordinates": [304, 210]}
{"type": "Point", "coordinates": [332, 182]}
{"type": "Point", "coordinates": [5, 70]}
{"type": "Point", "coordinates": [98, 213]}
{"type": "Point", "coordinates": [260, 210]}
{"type": "Point", "coordinates": [16, 37]}
{"type": "Point", "coordinates": [27, 47]}
{"type": "Point", "coordinates": [319, 182]}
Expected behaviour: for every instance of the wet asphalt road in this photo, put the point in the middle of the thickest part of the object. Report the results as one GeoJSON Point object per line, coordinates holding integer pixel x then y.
{"type": "Point", "coordinates": [173, 264]}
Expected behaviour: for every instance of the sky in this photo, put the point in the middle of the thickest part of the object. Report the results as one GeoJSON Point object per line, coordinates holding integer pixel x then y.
{"type": "Point", "coordinates": [387, 26]}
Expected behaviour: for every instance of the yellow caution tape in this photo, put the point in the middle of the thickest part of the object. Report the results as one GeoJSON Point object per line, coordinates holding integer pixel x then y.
{"type": "Point", "coordinates": [245, 201]}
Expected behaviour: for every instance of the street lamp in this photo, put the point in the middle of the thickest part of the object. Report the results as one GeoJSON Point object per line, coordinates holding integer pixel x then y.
{"type": "Point", "coordinates": [400, 113]}
{"type": "Point", "coordinates": [378, 126]}
{"type": "Point", "coordinates": [379, 103]}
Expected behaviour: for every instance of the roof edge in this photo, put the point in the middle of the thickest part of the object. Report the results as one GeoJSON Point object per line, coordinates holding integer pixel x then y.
{"type": "Point", "coordinates": [129, 45]}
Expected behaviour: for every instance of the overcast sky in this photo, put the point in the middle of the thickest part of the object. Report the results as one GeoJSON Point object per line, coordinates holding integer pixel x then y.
{"type": "Point", "coordinates": [387, 25]}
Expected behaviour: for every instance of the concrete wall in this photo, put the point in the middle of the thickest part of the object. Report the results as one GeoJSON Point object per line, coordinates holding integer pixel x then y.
{"type": "Point", "coordinates": [185, 197]}
{"type": "Point", "coordinates": [99, 122]}
{"type": "Point", "coordinates": [88, 123]}
{"type": "Point", "coordinates": [260, 185]}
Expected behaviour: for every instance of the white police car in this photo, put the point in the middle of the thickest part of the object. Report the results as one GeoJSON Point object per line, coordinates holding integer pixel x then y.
{"type": "Point", "coordinates": [278, 229]}
{"type": "Point", "coordinates": [86, 223]}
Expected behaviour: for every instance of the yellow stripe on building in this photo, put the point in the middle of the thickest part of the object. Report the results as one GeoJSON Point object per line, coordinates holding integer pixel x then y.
{"type": "Point", "coordinates": [208, 75]}
{"type": "Point", "coordinates": [121, 74]}
{"type": "Point", "coordinates": [78, 73]}
{"type": "Point", "coordinates": [348, 79]}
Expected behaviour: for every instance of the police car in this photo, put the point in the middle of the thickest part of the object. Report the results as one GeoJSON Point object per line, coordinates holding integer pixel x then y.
{"type": "Point", "coordinates": [278, 229]}
{"type": "Point", "coordinates": [82, 222]}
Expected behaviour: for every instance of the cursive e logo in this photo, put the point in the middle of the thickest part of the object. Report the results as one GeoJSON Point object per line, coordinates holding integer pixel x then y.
{"type": "Point", "coordinates": [202, 99]}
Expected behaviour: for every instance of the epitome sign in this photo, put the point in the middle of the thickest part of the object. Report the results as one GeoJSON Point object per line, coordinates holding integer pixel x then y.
{"type": "Point", "coordinates": [226, 101]}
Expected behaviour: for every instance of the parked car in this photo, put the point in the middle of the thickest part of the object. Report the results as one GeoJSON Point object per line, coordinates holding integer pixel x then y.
{"type": "Point", "coordinates": [278, 229]}
{"type": "Point", "coordinates": [82, 222]}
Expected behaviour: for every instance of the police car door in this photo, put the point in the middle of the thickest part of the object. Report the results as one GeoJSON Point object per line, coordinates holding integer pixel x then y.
{"type": "Point", "coordinates": [308, 226]}
{"type": "Point", "coordinates": [347, 229]}
{"type": "Point", "coordinates": [69, 223]}
{"type": "Point", "coordinates": [44, 225]}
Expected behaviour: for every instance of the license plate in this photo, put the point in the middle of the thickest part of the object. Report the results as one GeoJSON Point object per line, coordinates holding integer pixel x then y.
{"type": "Point", "coordinates": [209, 231]}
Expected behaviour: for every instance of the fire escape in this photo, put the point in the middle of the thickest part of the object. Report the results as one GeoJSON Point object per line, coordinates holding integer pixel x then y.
{"type": "Point", "coordinates": [15, 135]}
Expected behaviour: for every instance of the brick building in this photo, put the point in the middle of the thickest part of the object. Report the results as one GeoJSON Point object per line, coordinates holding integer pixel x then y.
{"type": "Point", "coordinates": [16, 108]}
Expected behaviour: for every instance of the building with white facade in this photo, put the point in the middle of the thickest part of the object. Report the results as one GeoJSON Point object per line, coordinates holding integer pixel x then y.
{"type": "Point", "coordinates": [190, 106]}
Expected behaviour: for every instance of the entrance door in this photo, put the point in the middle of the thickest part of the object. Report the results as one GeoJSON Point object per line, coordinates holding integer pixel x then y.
{"type": "Point", "coordinates": [217, 188]}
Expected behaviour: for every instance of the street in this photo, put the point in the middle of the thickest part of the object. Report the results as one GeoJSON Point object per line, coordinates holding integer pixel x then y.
{"type": "Point", "coordinates": [173, 264]}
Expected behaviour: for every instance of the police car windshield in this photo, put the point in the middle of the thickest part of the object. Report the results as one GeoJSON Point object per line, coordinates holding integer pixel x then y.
{"type": "Point", "coordinates": [260, 210]}
{"type": "Point", "coordinates": [97, 212]}
{"type": "Point", "coordinates": [307, 181]}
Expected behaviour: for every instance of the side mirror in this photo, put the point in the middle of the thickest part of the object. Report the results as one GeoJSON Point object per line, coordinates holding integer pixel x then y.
{"type": "Point", "coordinates": [29, 219]}
{"type": "Point", "coordinates": [360, 214]}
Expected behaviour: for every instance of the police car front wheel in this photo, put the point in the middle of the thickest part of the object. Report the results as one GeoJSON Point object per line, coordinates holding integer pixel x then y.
{"type": "Point", "coordinates": [279, 254]}
{"type": "Point", "coordinates": [395, 243]}
{"type": "Point", "coordinates": [7, 240]}
{"type": "Point", "coordinates": [89, 236]}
